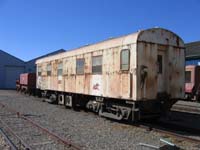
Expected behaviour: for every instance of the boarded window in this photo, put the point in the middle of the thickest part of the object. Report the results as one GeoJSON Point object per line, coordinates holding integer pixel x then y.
{"type": "Point", "coordinates": [49, 70]}
{"type": "Point", "coordinates": [39, 71]}
{"type": "Point", "coordinates": [97, 64]}
{"type": "Point", "coordinates": [188, 76]}
{"type": "Point", "coordinates": [125, 59]}
{"type": "Point", "coordinates": [80, 66]}
{"type": "Point", "coordinates": [60, 69]}
{"type": "Point", "coordinates": [160, 64]}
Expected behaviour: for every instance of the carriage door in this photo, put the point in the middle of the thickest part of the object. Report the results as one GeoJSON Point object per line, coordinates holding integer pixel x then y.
{"type": "Point", "coordinates": [161, 71]}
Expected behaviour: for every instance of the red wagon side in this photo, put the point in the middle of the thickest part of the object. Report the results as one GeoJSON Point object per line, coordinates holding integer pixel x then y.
{"type": "Point", "coordinates": [28, 83]}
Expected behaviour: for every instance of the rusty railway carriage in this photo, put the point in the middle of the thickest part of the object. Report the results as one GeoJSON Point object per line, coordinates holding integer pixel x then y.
{"type": "Point", "coordinates": [192, 83]}
{"type": "Point", "coordinates": [136, 76]}
{"type": "Point", "coordinates": [27, 83]}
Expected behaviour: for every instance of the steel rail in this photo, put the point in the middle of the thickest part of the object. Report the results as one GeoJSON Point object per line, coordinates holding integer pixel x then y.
{"type": "Point", "coordinates": [141, 125]}
{"type": "Point", "coordinates": [151, 127]}
{"type": "Point", "coordinates": [60, 139]}
{"type": "Point", "coordinates": [14, 134]}
{"type": "Point", "coordinates": [53, 135]}
{"type": "Point", "coordinates": [8, 141]}
{"type": "Point", "coordinates": [188, 109]}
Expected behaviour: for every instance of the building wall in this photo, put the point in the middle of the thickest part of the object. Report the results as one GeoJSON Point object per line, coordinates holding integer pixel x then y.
{"type": "Point", "coordinates": [30, 66]}
{"type": "Point", "coordinates": [10, 68]}
{"type": "Point", "coordinates": [192, 53]}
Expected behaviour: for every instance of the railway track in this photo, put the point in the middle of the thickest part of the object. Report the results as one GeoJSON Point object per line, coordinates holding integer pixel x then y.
{"type": "Point", "coordinates": [23, 133]}
{"type": "Point", "coordinates": [186, 108]}
{"type": "Point", "coordinates": [177, 131]}
{"type": "Point", "coordinates": [9, 113]}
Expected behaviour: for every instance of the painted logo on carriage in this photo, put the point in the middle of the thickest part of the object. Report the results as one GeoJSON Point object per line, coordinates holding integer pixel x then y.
{"type": "Point", "coordinates": [96, 86]}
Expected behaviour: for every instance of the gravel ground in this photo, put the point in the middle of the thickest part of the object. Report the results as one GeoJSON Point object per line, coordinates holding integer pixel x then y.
{"type": "Point", "coordinates": [87, 129]}
{"type": "Point", "coordinates": [3, 144]}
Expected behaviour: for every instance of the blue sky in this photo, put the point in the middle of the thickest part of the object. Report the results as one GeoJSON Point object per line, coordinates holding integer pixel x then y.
{"type": "Point", "coordinates": [30, 28]}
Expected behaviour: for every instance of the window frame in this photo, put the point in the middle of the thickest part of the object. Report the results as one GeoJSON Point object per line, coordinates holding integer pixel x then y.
{"type": "Point", "coordinates": [128, 60]}
{"type": "Point", "coordinates": [99, 65]}
{"type": "Point", "coordinates": [78, 59]}
{"type": "Point", "coordinates": [190, 76]}
{"type": "Point", "coordinates": [39, 70]}
{"type": "Point", "coordinates": [49, 72]}
{"type": "Point", "coordinates": [60, 69]}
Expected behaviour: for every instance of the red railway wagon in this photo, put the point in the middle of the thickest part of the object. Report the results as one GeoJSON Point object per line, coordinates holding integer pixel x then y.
{"type": "Point", "coordinates": [192, 82]}
{"type": "Point", "coordinates": [27, 83]}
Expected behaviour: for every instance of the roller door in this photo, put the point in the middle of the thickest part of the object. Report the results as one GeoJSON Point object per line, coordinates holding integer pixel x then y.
{"type": "Point", "coordinates": [11, 74]}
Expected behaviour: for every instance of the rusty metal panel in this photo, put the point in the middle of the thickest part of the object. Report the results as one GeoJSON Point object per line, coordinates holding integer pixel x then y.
{"type": "Point", "coordinates": [28, 79]}
{"type": "Point", "coordinates": [111, 78]}
{"type": "Point", "coordinates": [170, 47]}
{"type": "Point", "coordinates": [125, 85]}
{"type": "Point", "coordinates": [88, 73]}
{"type": "Point", "coordinates": [147, 57]}
{"type": "Point", "coordinates": [69, 83]}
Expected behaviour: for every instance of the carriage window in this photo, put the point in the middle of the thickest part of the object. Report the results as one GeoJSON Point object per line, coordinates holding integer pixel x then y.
{"type": "Point", "coordinates": [80, 66]}
{"type": "Point", "coordinates": [39, 71]}
{"type": "Point", "coordinates": [49, 70]}
{"type": "Point", "coordinates": [160, 63]}
{"type": "Point", "coordinates": [60, 69]}
{"type": "Point", "coordinates": [188, 76]}
{"type": "Point", "coordinates": [125, 59]}
{"type": "Point", "coordinates": [97, 64]}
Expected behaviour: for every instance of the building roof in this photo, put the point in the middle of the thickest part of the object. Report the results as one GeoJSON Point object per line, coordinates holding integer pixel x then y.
{"type": "Point", "coordinates": [192, 50]}
{"type": "Point", "coordinates": [49, 54]}
{"type": "Point", "coordinates": [11, 55]}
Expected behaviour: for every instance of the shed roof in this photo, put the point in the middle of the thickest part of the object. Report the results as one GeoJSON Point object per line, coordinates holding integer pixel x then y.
{"type": "Point", "coordinates": [49, 54]}
{"type": "Point", "coordinates": [11, 56]}
{"type": "Point", "coordinates": [192, 50]}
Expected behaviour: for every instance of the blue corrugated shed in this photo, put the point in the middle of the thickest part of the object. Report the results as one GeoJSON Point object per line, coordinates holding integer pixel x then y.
{"type": "Point", "coordinates": [193, 53]}
{"type": "Point", "coordinates": [11, 67]}
{"type": "Point", "coordinates": [30, 65]}
{"type": "Point", "coordinates": [192, 62]}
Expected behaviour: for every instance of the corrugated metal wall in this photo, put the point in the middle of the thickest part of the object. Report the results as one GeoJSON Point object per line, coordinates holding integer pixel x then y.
{"type": "Point", "coordinates": [193, 62]}
{"type": "Point", "coordinates": [10, 68]}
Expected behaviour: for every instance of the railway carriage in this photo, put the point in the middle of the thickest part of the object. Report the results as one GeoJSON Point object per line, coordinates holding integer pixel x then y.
{"type": "Point", "coordinates": [192, 83]}
{"type": "Point", "coordinates": [136, 76]}
{"type": "Point", "coordinates": [26, 83]}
